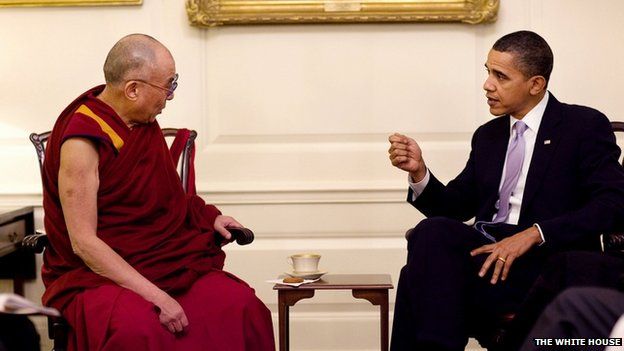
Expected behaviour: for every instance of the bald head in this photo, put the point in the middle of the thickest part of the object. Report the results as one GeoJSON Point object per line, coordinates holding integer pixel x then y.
{"type": "Point", "coordinates": [133, 54]}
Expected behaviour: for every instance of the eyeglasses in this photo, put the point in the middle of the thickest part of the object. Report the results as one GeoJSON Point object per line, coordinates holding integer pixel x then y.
{"type": "Point", "coordinates": [169, 91]}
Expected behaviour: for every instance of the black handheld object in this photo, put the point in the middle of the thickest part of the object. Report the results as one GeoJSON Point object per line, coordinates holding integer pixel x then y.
{"type": "Point", "coordinates": [242, 236]}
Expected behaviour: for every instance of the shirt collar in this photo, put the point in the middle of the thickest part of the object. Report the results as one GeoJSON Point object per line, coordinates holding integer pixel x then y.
{"type": "Point", "coordinates": [534, 117]}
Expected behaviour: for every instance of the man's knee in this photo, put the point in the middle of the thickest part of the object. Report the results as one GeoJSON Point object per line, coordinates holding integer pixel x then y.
{"type": "Point", "coordinates": [587, 298]}
{"type": "Point", "coordinates": [241, 295]}
{"type": "Point", "coordinates": [578, 302]}
{"type": "Point", "coordinates": [434, 230]}
{"type": "Point", "coordinates": [134, 318]}
{"type": "Point", "coordinates": [229, 290]}
{"type": "Point", "coordinates": [430, 225]}
{"type": "Point", "coordinates": [570, 298]}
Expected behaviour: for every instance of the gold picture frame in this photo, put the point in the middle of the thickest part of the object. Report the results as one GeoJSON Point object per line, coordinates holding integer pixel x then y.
{"type": "Point", "coordinates": [40, 3]}
{"type": "Point", "coordinates": [211, 13]}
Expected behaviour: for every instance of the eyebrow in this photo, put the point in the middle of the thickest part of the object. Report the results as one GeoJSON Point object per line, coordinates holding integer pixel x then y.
{"type": "Point", "coordinates": [495, 70]}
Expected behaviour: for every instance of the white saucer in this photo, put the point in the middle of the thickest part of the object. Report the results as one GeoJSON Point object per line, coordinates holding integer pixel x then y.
{"type": "Point", "coordinates": [307, 275]}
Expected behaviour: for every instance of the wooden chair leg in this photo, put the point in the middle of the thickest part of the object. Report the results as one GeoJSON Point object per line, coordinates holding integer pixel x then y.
{"type": "Point", "coordinates": [57, 331]}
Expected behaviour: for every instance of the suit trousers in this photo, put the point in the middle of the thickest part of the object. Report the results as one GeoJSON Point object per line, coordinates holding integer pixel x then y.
{"type": "Point", "coordinates": [441, 300]}
{"type": "Point", "coordinates": [578, 313]}
{"type": "Point", "coordinates": [562, 271]}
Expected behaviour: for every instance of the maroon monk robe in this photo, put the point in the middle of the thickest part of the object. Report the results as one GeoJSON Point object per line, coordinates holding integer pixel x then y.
{"type": "Point", "coordinates": [165, 234]}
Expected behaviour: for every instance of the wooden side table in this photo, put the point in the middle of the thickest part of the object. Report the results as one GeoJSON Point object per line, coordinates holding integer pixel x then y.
{"type": "Point", "coordinates": [15, 223]}
{"type": "Point", "coordinates": [371, 287]}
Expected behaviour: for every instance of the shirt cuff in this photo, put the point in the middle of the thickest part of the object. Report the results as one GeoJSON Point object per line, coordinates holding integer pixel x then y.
{"type": "Point", "coordinates": [418, 187]}
{"type": "Point", "coordinates": [541, 234]}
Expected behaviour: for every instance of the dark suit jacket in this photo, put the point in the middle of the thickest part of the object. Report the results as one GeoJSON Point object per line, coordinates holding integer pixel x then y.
{"type": "Point", "coordinates": [575, 184]}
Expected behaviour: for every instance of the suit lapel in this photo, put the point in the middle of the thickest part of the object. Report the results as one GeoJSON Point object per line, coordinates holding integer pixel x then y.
{"type": "Point", "coordinates": [491, 154]}
{"type": "Point", "coordinates": [545, 146]}
{"type": "Point", "coordinates": [496, 153]}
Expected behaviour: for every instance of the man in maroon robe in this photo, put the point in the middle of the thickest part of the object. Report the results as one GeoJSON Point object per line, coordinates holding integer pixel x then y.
{"type": "Point", "coordinates": [132, 261]}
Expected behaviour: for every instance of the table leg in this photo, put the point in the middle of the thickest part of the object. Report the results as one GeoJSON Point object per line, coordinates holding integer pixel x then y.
{"type": "Point", "coordinates": [285, 299]}
{"type": "Point", "coordinates": [283, 323]}
{"type": "Point", "coordinates": [18, 286]}
{"type": "Point", "coordinates": [377, 298]}
{"type": "Point", "coordinates": [383, 310]}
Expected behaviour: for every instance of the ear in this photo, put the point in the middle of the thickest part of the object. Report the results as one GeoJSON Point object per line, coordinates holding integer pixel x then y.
{"type": "Point", "coordinates": [131, 90]}
{"type": "Point", "coordinates": [537, 85]}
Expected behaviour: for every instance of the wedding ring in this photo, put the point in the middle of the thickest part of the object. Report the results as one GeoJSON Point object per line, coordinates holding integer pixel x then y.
{"type": "Point", "coordinates": [501, 259]}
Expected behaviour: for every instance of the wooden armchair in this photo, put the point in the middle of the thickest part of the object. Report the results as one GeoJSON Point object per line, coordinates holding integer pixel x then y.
{"type": "Point", "coordinates": [37, 242]}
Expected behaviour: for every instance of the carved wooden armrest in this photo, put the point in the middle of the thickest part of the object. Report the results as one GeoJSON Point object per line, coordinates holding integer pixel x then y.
{"type": "Point", "coordinates": [612, 242]}
{"type": "Point", "coordinates": [35, 242]}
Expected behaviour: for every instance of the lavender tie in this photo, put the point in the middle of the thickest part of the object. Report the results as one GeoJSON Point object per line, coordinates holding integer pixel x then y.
{"type": "Point", "coordinates": [515, 157]}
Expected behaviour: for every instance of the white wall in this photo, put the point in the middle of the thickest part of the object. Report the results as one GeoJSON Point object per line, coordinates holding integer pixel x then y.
{"type": "Point", "coordinates": [293, 122]}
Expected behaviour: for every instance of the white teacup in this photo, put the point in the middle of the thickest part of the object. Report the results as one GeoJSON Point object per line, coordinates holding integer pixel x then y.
{"type": "Point", "coordinates": [304, 262]}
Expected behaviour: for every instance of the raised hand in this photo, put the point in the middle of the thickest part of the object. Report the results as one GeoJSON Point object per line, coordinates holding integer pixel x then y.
{"type": "Point", "coordinates": [405, 154]}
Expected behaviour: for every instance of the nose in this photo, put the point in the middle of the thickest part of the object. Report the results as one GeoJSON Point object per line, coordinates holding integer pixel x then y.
{"type": "Point", "coordinates": [488, 85]}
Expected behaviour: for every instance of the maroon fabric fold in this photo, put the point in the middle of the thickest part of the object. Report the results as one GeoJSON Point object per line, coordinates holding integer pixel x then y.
{"type": "Point", "coordinates": [143, 213]}
{"type": "Point", "coordinates": [223, 314]}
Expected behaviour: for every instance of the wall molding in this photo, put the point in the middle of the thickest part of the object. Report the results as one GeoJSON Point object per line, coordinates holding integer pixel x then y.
{"type": "Point", "coordinates": [253, 194]}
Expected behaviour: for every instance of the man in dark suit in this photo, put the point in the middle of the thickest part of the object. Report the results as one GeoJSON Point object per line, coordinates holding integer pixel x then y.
{"type": "Point", "coordinates": [542, 177]}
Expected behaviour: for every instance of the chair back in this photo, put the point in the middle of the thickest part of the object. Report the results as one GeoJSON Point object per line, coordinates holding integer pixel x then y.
{"type": "Point", "coordinates": [57, 326]}
{"type": "Point", "coordinates": [40, 141]}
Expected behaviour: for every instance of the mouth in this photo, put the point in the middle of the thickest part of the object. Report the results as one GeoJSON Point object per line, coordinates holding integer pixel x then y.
{"type": "Point", "coordinates": [491, 101]}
